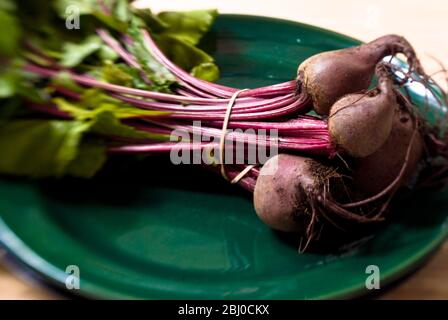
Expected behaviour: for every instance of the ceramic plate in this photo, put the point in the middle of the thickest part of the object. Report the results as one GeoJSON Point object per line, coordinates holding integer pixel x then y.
{"type": "Point", "coordinates": [188, 235]}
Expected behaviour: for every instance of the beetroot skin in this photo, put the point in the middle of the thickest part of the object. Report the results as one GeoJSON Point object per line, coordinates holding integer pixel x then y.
{"type": "Point", "coordinates": [330, 75]}
{"type": "Point", "coordinates": [283, 197]}
{"type": "Point", "coordinates": [374, 173]}
{"type": "Point", "coordinates": [360, 124]}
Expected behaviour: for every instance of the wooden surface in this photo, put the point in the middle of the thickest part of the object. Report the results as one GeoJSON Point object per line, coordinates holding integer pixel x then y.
{"type": "Point", "coordinates": [424, 23]}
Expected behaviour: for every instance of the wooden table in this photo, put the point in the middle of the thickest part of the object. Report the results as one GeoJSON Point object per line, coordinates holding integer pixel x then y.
{"type": "Point", "coordinates": [424, 23]}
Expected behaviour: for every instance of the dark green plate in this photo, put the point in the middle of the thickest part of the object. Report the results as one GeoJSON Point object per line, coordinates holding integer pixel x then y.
{"type": "Point", "coordinates": [189, 235]}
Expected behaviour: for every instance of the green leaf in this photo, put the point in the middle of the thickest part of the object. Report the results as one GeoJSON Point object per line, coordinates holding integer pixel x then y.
{"type": "Point", "coordinates": [16, 82]}
{"type": "Point", "coordinates": [125, 75]}
{"type": "Point", "coordinates": [86, 111]}
{"type": "Point", "coordinates": [188, 26]}
{"type": "Point", "coordinates": [10, 34]}
{"type": "Point", "coordinates": [84, 6]}
{"type": "Point", "coordinates": [183, 54]}
{"type": "Point", "coordinates": [122, 11]}
{"type": "Point", "coordinates": [39, 148]}
{"type": "Point", "coordinates": [74, 53]}
{"type": "Point", "coordinates": [152, 21]}
{"type": "Point", "coordinates": [111, 21]}
{"type": "Point", "coordinates": [9, 81]}
{"type": "Point", "coordinates": [90, 159]}
{"type": "Point", "coordinates": [64, 79]}
{"type": "Point", "coordinates": [46, 148]}
{"type": "Point", "coordinates": [107, 54]}
{"type": "Point", "coordinates": [206, 71]}
{"type": "Point", "coordinates": [90, 8]}
{"type": "Point", "coordinates": [177, 34]}
{"type": "Point", "coordinates": [7, 5]}
{"type": "Point", "coordinates": [155, 72]}
{"type": "Point", "coordinates": [60, 147]}
{"type": "Point", "coordinates": [106, 123]}
{"type": "Point", "coordinates": [105, 117]}
{"type": "Point", "coordinates": [119, 74]}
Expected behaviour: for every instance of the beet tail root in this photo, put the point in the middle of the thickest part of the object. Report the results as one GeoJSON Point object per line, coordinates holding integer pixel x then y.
{"type": "Point", "coordinates": [330, 75]}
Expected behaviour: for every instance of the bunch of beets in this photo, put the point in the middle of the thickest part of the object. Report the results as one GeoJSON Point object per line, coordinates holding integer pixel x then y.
{"type": "Point", "coordinates": [340, 166]}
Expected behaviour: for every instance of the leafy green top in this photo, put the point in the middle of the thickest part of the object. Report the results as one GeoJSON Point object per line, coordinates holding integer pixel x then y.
{"type": "Point", "coordinates": [66, 32]}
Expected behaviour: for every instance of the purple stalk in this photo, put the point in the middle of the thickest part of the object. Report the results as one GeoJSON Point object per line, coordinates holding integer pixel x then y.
{"type": "Point", "coordinates": [41, 55]}
{"type": "Point", "coordinates": [241, 107]}
{"type": "Point", "coordinates": [293, 108]}
{"type": "Point", "coordinates": [126, 56]}
{"type": "Point", "coordinates": [103, 7]}
{"type": "Point", "coordinates": [91, 82]}
{"type": "Point", "coordinates": [318, 144]}
{"type": "Point", "coordinates": [67, 92]}
{"type": "Point", "coordinates": [269, 107]}
{"type": "Point", "coordinates": [204, 101]}
{"type": "Point", "coordinates": [162, 147]}
{"type": "Point", "coordinates": [218, 90]}
{"type": "Point", "coordinates": [296, 106]}
{"type": "Point", "coordinates": [114, 45]}
{"type": "Point", "coordinates": [193, 93]}
{"type": "Point", "coordinates": [184, 76]}
{"type": "Point", "coordinates": [292, 126]}
{"type": "Point", "coordinates": [196, 92]}
{"type": "Point", "coordinates": [49, 110]}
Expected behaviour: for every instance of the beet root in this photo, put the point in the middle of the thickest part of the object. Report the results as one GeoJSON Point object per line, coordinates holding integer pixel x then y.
{"type": "Point", "coordinates": [285, 191]}
{"type": "Point", "coordinates": [295, 194]}
{"type": "Point", "coordinates": [291, 191]}
{"type": "Point", "coordinates": [375, 173]}
{"type": "Point", "coordinates": [360, 124]}
{"type": "Point", "coordinates": [328, 76]}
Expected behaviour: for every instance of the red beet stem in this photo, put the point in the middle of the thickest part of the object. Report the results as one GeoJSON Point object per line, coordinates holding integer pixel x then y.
{"type": "Point", "coordinates": [115, 45]}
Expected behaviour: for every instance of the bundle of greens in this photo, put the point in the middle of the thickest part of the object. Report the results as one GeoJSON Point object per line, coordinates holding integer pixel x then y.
{"type": "Point", "coordinates": [62, 35]}
{"type": "Point", "coordinates": [110, 78]}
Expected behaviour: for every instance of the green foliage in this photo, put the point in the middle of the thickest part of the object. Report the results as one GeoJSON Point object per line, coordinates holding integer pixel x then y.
{"type": "Point", "coordinates": [188, 26]}
{"type": "Point", "coordinates": [43, 147]}
{"type": "Point", "coordinates": [40, 148]}
{"type": "Point", "coordinates": [74, 53]}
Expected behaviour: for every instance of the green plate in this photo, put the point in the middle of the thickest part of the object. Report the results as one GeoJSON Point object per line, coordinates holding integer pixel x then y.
{"type": "Point", "coordinates": [188, 235]}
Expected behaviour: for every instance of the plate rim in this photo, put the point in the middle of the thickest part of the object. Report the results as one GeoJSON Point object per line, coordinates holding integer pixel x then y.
{"type": "Point", "coordinates": [26, 258]}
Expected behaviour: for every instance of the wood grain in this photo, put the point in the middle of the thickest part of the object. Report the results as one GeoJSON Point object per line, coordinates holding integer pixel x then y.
{"type": "Point", "coordinates": [424, 23]}
{"type": "Point", "coordinates": [13, 287]}
{"type": "Point", "coordinates": [430, 282]}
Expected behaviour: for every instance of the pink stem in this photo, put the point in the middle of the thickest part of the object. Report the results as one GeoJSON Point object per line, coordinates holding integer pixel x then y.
{"type": "Point", "coordinates": [293, 108]}
{"type": "Point", "coordinates": [215, 89]}
{"type": "Point", "coordinates": [111, 42]}
{"type": "Point", "coordinates": [104, 8]}
{"type": "Point", "coordinates": [91, 82]}
{"type": "Point", "coordinates": [162, 147]}
{"type": "Point", "coordinates": [241, 107]}
{"type": "Point", "coordinates": [291, 125]}
{"type": "Point", "coordinates": [218, 90]}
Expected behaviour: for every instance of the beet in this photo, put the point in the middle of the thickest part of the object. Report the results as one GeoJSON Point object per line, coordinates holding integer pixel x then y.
{"type": "Point", "coordinates": [285, 189]}
{"type": "Point", "coordinates": [296, 194]}
{"type": "Point", "coordinates": [328, 76]}
{"type": "Point", "coordinates": [375, 173]}
{"type": "Point", "coordinates": [360, 124]}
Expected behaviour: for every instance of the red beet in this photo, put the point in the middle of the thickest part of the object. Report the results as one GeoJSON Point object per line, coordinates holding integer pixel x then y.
{"type": "Point", "coordinates": [328, 76]}
{"type": "Point", "coordinates": [376, 172]}
{"type": "Point", "coordinates": [359, 124]}
{"type": "Point", "coordinates": [284, 189]}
